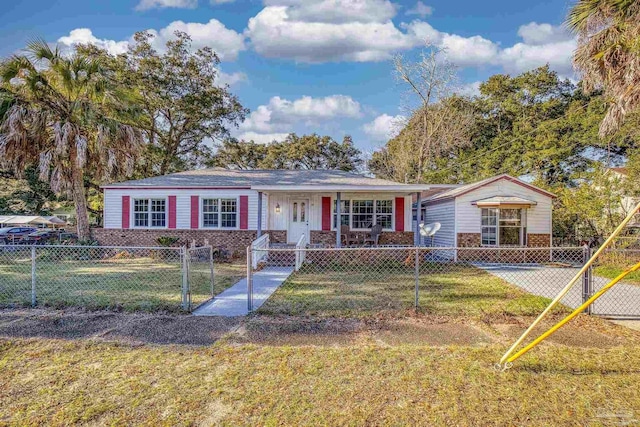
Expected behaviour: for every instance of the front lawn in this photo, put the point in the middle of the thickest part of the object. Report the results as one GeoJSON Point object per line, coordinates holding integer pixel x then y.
{"type": "Point", "coordinates": [613, 271]}
{"type": "Point", "coordinates": [129, 284]}
{"type": "Point", "coordinates": [361, 291]}
{"type": "Point", "coordinates": [369, 382]}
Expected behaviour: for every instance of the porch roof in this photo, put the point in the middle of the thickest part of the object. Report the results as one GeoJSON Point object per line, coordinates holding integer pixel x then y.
{"type": "Point", "coordinates": [506, 201]}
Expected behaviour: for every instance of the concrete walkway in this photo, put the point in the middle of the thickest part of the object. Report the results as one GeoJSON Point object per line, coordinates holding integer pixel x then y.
{"type": "Point", "coordinates": [233, 301]}
{"type": "Point", "coordinates": [622, 300]}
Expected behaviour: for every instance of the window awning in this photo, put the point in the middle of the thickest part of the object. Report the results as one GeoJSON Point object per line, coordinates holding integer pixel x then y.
{"type": "Point", "coordinates": [512, 202]}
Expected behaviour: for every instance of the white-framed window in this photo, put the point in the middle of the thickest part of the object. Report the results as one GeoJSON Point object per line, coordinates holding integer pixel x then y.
{"type": "Point", "coordinates": [150, 213]}
{"type": "Point", "coordinates": [219, 213]}
{"type": "Point", "coordinates": [503, 227]}
{"type": "Point", "coordinates": [363, 214]}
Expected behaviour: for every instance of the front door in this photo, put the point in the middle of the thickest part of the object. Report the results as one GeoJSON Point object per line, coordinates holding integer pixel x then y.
{"type": "Point", "coordinates": [298, 220]}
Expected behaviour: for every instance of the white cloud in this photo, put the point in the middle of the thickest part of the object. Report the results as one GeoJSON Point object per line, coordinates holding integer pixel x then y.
{"type": "Point", "coordinates": [225, 42]}
{"type": "Point", "coordinates": [469, 51]}
{"type": "Point", "coordinates": [232, 78]}
{"type": "Point", "coordinates": [337, 11]}
{"type": "Point", "coordinates": [539, 34]}
{"type": "Point", "coordinates": [262, 138]}
{"type": "Point", "coordinates": [471, 89]}
{"type": "Point", "coordinates": [275, 34]}
{"type": "Point", "coordinates": [522, 57]}
{"type": "Point", "coordinates": [281, 114]}
{"type": "Point", "coordinates": [85, 36]}
{"type": "Point", "coordinates": [420, 9]}
{"type": "Point", "coordinates": [383, 127]}
{"type": "Point", "coordinates": [161, 4]}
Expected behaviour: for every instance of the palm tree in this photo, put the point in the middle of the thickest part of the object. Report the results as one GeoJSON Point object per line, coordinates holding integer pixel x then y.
{"type": "Point", "coordinates": [66, 114]}
{"type": "Point", "coordinates": [608, 54]}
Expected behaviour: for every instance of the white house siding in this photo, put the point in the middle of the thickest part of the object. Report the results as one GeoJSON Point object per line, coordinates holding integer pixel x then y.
{"type": "Point", "coordinates": [444, 213]}
{"type": "Point", "coordinates": [113, 204]}
{"type": "Point", "coordinates": [468, 216]}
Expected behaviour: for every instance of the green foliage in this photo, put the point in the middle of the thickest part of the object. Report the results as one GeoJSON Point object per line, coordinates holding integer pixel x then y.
{"type": "Point", "coordinates": [185, 107]}
{"type": "Point", "coordinates": [29, 196]}
{"type": "Point", "coordinates": [534, 124]}
{"type": "Point", "coordinates": [295, 152]}
{"type": "Point", "coordinates": [167, 241]}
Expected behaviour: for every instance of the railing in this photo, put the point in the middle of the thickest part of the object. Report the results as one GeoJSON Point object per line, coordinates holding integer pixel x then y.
{"type": "Point", "coordinates": [260, 249]}
{"type": "Point", "coordinates": [300, 253]}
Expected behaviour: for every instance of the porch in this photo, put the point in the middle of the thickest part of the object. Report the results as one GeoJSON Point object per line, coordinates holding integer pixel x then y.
{"type": "Point", "coordinates": [314, 216]}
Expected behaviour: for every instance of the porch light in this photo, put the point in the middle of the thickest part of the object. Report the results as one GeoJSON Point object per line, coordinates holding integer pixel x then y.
{"type": "Point", "coordinates": [277, 207]}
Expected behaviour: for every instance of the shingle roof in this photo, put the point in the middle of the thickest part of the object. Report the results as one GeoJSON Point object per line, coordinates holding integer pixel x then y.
{"type": "Point", "coordinates": [217, 177]}
{"type": "Point", "coordinates": [470, 187]}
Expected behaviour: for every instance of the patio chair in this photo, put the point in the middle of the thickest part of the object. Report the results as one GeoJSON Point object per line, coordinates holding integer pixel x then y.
{"type": "Point", "coordinates": [374, 235]}
{"type": "Point", "coordinates": [346, 236]}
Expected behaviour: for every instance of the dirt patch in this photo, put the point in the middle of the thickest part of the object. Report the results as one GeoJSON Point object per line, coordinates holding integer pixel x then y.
{"type": "Point", "coordinates": [109, 326]}
{"type": "Point", "coordinates": [433, 334]}
{"type": "Point", "coordinates": [296, 331]}
{"type": "Point", "coordinates": [583, 331]}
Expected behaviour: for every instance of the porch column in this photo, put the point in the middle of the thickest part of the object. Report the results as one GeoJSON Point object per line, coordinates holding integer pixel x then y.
{"type": "Point", "coordinates": [338, 222]}
{"type": "Point", "coordinates": [416, 235]}
{"type": "Point", "coordinates": [259, 214]}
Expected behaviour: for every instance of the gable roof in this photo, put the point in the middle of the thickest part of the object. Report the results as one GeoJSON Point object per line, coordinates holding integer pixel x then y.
{"type": "Point", "coordinates": [265, 179]}
{"type": "Point", "coordinates": [464, 189]}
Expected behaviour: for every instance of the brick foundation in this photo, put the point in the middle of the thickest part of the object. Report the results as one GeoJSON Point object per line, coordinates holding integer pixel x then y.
{"type": "Point", "coordinates": [469, 240]}
{"type": "Point", "coordinates": [538, 240]}
{"type": "Point", "coordinates": [234, 241]}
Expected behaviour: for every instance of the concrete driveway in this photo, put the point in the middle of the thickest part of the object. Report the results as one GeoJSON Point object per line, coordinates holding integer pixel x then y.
{"type": "Point", "coordinates": [622, 300]}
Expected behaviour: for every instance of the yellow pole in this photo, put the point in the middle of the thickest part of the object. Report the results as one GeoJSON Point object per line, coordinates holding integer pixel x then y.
{"type": "Point", "coordinates": [575, 313]}
{"type": "Point", "coordinates": [569, 285]}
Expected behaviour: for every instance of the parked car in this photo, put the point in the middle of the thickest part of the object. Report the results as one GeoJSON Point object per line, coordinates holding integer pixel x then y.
{"type": "Point", "coordinates": [41, 235]}
{"type": "Point", "coordinates": [14, 234]}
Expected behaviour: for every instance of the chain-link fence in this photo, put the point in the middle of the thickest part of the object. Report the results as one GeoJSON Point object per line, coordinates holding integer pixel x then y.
{"type": "Point", "coordinates": [442, 281]}
{"type": "Point", "coordinates": [105, 277]}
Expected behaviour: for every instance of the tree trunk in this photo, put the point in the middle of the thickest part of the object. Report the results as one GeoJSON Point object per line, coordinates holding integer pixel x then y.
{"type": "Point", "coordinates": [80, 200]}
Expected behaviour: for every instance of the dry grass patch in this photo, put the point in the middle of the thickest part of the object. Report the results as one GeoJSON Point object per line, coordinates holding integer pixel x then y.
{"type": "Point", "coordinates": [60, 383]}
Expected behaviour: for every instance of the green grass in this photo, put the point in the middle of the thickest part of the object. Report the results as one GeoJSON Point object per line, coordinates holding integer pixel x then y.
{"type": "Point", "coordinates": [340, 291]}
{"type": "Point", "coordinates": [50, 382]}
{"type": "Point", "coordinates": [613, 271]}
{"type": "Point", "coordinates": [140, 284]}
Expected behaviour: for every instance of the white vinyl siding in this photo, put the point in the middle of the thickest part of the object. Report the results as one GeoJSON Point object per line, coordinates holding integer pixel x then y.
{"type": "Point", "coordinates": [113, 204]}
{"type": "Point", "coordinates": [538, 217]}
{"type": "Point", "coordinates": [444, 213]}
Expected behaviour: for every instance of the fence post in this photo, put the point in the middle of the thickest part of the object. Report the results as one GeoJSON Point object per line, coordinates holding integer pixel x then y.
{"type": "Point", "coordinates": [33, 276]}
{"type": "Point", "coordinates": [185, 278]}
{"type": "Point", "coordinates": [586, 278]}
{"type": "Point", "coordinates": [417, 277]}
{"type": "Point", "coordinates": [249, 280]}
{"type": "Point", "coordinates": [213, 282]}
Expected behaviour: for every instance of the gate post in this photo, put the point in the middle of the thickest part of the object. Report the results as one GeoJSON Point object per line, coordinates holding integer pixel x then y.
{"type": "Point", "coordinates": [249, 280]}
{"type": "Point", "coordinates": [33, 276]}
{"type": "Point", "coordinates": [417, 277]}
{"type": "Point", "coordinates": [185, 278]}
{"type": "Point", "coordinates": [587, 278]}
{"type": "Point", "coordinates": [212, 272]}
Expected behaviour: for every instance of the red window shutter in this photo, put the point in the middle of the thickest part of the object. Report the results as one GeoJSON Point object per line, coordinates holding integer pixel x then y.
{"type": "Point", "coordinates": [172, 211]}
{"type": "Point", "coordinates": [399, 213]}
{"type": "Point", "coordinates": [244, 212]}
{"type": "Point", "coordinates": [326, 213]}
{"type": "Point", "coordinates": [195, 211]}
{"type": "Point", "coordinates": [126, 211]}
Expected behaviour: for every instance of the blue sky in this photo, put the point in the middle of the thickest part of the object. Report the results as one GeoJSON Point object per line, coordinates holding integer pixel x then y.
{"type": "Point", "coordinates": [315, 66]}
